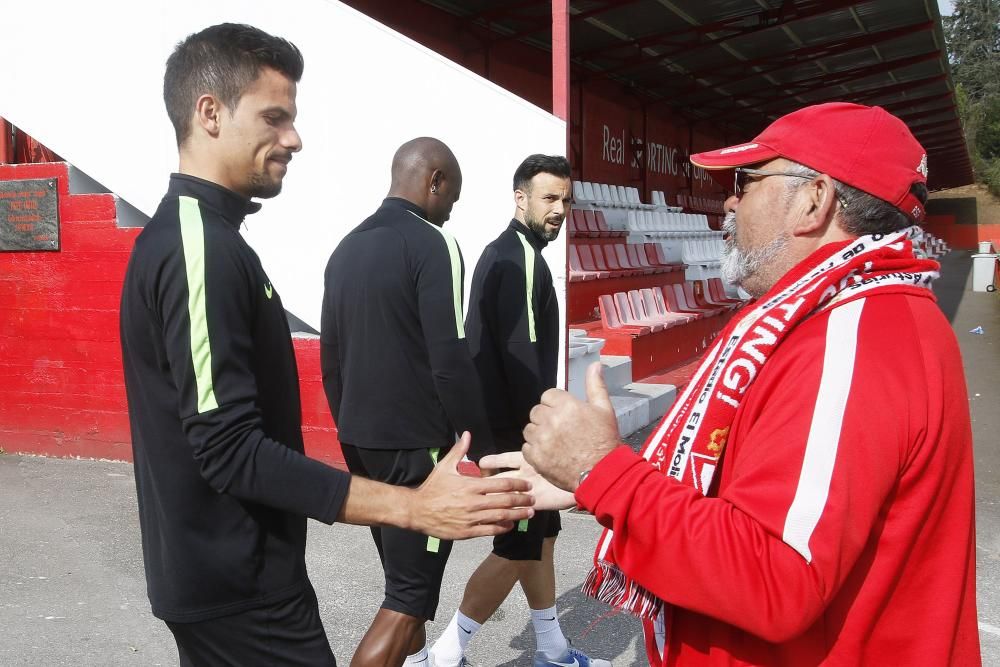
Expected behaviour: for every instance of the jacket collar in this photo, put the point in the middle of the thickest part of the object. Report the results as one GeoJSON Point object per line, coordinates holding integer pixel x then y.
{"type": "Point", "coordinates": [230, 205]}
{"type": "Point", "coordinates": [536, 241]}
{"type": "Point", "coordinates": [399, 202]}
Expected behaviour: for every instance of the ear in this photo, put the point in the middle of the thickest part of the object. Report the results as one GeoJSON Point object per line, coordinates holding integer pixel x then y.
{"type": "Point", "coordinates": [820, 205]}
{"type": "Point", "coordinates": [208, 114]}
{"type": "Point", "coordinates": [437, 178]}
{"type": "Point", "coordinates": [520, 199]}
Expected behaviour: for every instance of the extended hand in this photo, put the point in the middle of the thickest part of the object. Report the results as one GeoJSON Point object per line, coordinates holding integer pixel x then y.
{"type": "Point", "coordinates": [452, 506]}
{"type": "Point", "coordinates": [567, 436]}
{"type": "Point", "coordinates": [547, 496]}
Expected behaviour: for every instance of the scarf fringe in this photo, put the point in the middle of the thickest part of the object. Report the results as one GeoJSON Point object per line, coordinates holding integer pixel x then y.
{"type": "Point", "coordinates": [610, 585]}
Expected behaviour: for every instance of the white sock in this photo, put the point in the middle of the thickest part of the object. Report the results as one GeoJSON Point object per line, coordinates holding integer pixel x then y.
{"type": "Point", "coordinates": [450, 646]}
{"type": "Point", "coordinates": [419, 658]}
{"type": "Point", "coordinates": [549, 638]}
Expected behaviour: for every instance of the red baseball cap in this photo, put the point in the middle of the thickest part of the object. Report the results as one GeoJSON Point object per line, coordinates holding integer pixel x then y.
{"type": "Point", "coordinates": [865, 147]}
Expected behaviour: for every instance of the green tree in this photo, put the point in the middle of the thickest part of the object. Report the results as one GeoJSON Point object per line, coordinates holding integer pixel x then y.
{"type": "Point", "coordinates": [972, 34]}
{"type": "Point", "coordinates": [973, 37]}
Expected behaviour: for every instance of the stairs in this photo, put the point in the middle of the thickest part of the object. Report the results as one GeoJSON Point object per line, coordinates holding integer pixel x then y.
{"type": "Point", "coordinates": [637, 404]}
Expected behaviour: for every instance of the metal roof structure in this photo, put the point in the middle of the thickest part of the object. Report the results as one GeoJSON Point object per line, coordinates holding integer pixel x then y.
{"type": "Point", "coordinates": [743, 63]}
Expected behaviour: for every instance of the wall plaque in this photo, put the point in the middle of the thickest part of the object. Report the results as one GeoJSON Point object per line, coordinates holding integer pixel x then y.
{"type": "Point", "coordinates": [29, 214]}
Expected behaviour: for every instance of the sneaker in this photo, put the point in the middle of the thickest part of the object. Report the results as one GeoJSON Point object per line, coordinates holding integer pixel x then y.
{"type": "Point", "coordinates": [461, 663]}
{"type": "Point", "coordinates": [571, 658]}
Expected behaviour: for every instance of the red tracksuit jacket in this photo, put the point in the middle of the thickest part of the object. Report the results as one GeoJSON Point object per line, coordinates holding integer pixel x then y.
{"type": "Point", "coordinates": [840, 530]}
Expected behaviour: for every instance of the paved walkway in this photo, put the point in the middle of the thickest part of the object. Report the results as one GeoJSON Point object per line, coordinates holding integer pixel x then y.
{"type": "Point", "coordinates": [72, 589]}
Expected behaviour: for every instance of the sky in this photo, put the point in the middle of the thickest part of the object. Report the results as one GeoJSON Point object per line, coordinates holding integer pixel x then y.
{"type": "Point", "coordinates": [945, 6]}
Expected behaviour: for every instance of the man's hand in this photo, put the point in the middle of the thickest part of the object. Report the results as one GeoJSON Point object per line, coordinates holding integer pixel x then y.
{"type": "Point", "coordinates": [547, 496]}
{"type": "Point", "coordinates": [452, 506]}
{"type": "Point", "coordinates": [567, 436]}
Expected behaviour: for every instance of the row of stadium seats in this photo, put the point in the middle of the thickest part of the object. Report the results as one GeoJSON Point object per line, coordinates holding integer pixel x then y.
{"type": "Point", "coordinates": [609, 196]}
{"type": "Point", "coordinates": [648, 310]}
{"type": "Point", "coordinates": [667, 223]}
{"type": "Point", "coordinates": [614, 260]}
{"type": "Point", "coordinates": [591, 224]}
{"type": "Point", "coordinates": [705, 204]}
{"type": "Point", "coordinates": [928, 245]}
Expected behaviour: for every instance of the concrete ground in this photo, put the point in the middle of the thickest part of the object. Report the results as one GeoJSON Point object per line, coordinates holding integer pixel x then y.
{"type": "Point", "coordinates": [72, 589]}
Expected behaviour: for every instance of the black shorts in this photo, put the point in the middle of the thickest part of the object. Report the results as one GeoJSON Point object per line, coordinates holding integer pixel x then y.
{"type": "Point", "coordinates": [524, 542]}
{"type": "Point", "coordinates": [413, 563]}
{"type": "Point", "coordinates": [288, 632]}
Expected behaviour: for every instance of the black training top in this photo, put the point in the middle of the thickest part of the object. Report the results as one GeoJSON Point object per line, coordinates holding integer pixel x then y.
{"type": "Point", "coordinates": [396, 365]}
{"type": "Point", "coordinates": [213, 399]}
{"type": "Point", "coordinates": [513, 327]}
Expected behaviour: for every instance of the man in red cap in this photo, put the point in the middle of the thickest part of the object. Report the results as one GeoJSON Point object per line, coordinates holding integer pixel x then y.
{"type": "Point", "coordinates": [809, 498]}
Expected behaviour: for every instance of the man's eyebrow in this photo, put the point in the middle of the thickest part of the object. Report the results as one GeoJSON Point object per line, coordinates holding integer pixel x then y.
{"type": "Point", "coordinates": [276, 111]}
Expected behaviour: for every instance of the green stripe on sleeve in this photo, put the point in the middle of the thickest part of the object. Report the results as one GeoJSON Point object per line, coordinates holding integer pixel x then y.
{"type": "Point", "coordinates": [193, 240]}
{"type": "Point", "coordinates": [529, 283]}
{"type": "Point", "coordinates": [433, 543]}
{"type": "Point", "coordinates": [522, 526]}
{"type": "Point", "coordinates": [456, 274]}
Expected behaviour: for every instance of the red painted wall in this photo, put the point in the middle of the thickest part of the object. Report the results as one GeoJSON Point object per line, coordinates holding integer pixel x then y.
{"type": "Point", "coordinates": [958, 236]}
{"type": "Point", "coordinates": [62, 390]}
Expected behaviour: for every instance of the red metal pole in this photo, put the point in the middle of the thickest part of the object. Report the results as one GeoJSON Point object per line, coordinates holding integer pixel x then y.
{"type": "Point", "coordinates": [560, 62]}
{"type": "Point", "coordinates": [6, 143]}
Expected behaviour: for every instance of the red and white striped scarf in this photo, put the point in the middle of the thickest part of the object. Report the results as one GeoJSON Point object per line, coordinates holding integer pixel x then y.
{"type": "Point", "coordinates": [690, 440]}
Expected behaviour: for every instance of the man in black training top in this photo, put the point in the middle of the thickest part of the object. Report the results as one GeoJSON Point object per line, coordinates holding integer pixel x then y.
{"type": "Point", "coordinates": [399, 377]}
{"type": "Point", "coordinates": [513, 329]}
{"type": "Point", "coordinates": [222, 482]}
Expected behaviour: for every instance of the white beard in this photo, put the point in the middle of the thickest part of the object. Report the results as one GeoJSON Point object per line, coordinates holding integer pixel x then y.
{"type": "Point", "coordinates": [739, 265]}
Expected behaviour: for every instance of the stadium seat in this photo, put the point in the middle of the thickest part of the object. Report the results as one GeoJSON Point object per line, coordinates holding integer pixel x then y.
{"type": "Point", "coordinates": [576, 271]}
{"type": "Point", "coordinates": [587, 262]}
{"type": "Point", "coordinates": [644, 306]}
{"type": "Point", "coordinates": [694, 299]}
{"type": "Point", "coordinates": [655, 303]}
{"type": "Point", "coordinates": [610, 320]}
{"type": "Point", "coordinates": [690, 305]}
{"type": "Point", "coordinates": [629, 318]}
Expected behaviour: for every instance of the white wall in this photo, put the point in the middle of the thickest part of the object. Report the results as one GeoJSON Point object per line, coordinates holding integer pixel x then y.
{"type": "Point", "coordinates": [93, 94]}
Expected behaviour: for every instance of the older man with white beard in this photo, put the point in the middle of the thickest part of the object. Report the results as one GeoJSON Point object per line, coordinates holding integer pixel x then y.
{"type": "Point", "coordinates": [808, 500]}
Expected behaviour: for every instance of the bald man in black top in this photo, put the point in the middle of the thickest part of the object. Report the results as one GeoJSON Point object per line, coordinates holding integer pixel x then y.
{"type": "Point", "coordinates": [399, 376]}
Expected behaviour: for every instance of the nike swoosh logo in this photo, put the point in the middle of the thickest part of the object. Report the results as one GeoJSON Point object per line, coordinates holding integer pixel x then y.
{"type": "Point", "coordinates": [468, 632]}
{"type": "Point", "coordinates": [575, 663]}
{"type": "Point", "coordinates": [549, 619]}
{"type": "Point", "coordinates": [268, 290]}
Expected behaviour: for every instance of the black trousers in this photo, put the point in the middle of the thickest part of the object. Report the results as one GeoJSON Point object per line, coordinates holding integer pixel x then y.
{"type": "Point", "coordinates": [288, 632]}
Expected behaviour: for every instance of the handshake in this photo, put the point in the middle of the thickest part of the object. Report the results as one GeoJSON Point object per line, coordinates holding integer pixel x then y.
{"type": "Point", "coordinates": [566, 438]}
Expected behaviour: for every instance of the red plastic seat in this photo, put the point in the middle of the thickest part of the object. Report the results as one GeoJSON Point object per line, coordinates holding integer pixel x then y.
{"type": "Point", "coordinates": [576, 271]}
{"type": "Point", "coordinates": [601, 265]}
{"type": "Point", "coordinates": [629, 318]}
{"type": "Point", "coordinates": [587, 261]}
{"type": "Point", "coordinates": [687, 290]}
{"type": "Point", "coordinates": [593, 231]}
{"type": "Point", "coordinates": [718, 291]}
{"type": "Point", "coordinates": [636, 261]}
{"type": "Point", "coordinates": [577, 223]}
{"type": "Point", "coordinates": [610, 320]}
{"type": "Point", "coordinates": [646, 314]}
{"type": "Point", "coordinates": [652, 299]}
{"type": "Point", "coordinates": [680, 298]}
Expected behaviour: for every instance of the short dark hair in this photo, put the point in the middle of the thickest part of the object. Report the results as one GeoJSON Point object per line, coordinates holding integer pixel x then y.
{"type": "Point", "coordinates": [222, 60]}
{"type": "Point", "coordinates": [536, 164]}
